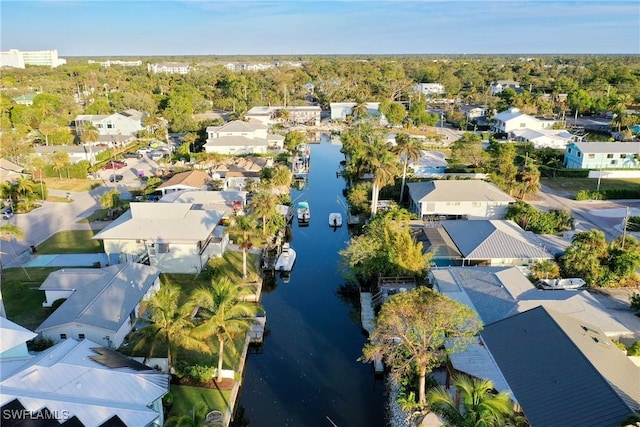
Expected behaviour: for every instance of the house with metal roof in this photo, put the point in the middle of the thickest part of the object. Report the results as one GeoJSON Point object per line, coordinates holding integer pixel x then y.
{"type": "Point", "coordinates": [124, 124]}
{"type": "Point", "coordinates": [190, 180]}
{"type": "Point", "coordinates": [602, 155]}
{"type": "Point", "coordinates": [496, 293]}
{"type": "Point", "coordinates": [514, 119]}
{"type": "Point", "coordinates": [458, 198]}
{"type": "Point", "coordinates": [229, 201]}
{"type": "Point", "coordinates": [498, 86]}
{"type": "Point", "coordinates": [174, 237]}
{"type": "Point", "coordinates": [304, 115]}
{"type": "Point", "coordinates": [544, 138]}
{"type": "Point", "coordinates": [10, 171]}
{"type": "Point", "coordinates": [26, 99]}
{"type": "Point", "coordinates": [563, 371]}
{"type": "Point", "coordinates": [13, 344]}
{"type": "Point", "coordinates": [238, 137]}
{"type": "Point", "coordinates": [82, 384]}
{"type": "Point", "coordinates": [341, 110]}
{"type": "Point", "coordinates": [100, 304]}
{"type": "Point", "coordinates": [483, 242]}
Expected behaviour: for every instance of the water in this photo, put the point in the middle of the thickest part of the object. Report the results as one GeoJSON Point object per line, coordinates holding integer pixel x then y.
{"type": "Point", "coordinates": [308, 373]}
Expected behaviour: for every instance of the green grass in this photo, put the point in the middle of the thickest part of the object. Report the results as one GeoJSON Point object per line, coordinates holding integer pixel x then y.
{"type": "Point", "coordinates": [71, 242]}
{"type": "Point", "coordinates": [187, 400]}
{"type": "Point", "coordinates": [97, 215]}
{"type": "Point", "coordinates": [230, 265]}
{"type": "Point", "coordinates": [72, 184]}
{"type": "Point", "coordinates": [21, 297]}
{"type": "Point", "coordinates": [573, 185]}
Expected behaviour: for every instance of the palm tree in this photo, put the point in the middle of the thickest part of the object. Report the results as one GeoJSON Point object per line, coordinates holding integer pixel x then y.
{"type": "Point", "coordinates": [169, 323]}
{"type": "Point", "coordinates": [9, 191]}
{"type": "Point", "coordinates": [481, 406]}
{"type": "Point", "coordinates": [61, 159]}
{"type": "Point", "coordinates": [244, 231]}
{"type": "Point", "coordinates": [264, 205]}
{"type": "Point", "coordinates": [380, 161]}
{"type": "Point", "coordinates": [88, 135]}
{"type": "Point", "coordinates": [47, 127]}
{"type": "Point", "coordinates": [408, 149]}
{"type": "Point", "coordinates": [360, 110]}
{"type": "Point", "coordinates": [225, 313]}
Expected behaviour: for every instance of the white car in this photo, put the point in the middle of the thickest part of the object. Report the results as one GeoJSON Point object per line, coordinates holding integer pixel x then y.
{"type": "Point", "coordinates": [144, 150]}
{"type": "Point", "coordinates": [7, 213]}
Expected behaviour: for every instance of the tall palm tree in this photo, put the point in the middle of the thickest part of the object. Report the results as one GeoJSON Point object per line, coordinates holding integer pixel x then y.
{"type": "Point", "coordinates": [61, 159]}
{"type": "Point", "coordinates": [264, 205]}
{"type": "Point", "coordinates": [224, 312]}
{"type": "Point", "coordinates": [9, 191]}
{"type": "Point", "coordinates": [170, 324]}
{"type": "Point", "coordinates": [244, 231]}
{"type": "Point", "coordinates": [379, 160]}
{"type": "Point", "coordinates": [408, 149]}
{"type": "Point", "coordinates": [47, 127]}
{"type": "Point", "coordinates": [89, 134]}
{"type": "Point", "coordinates": [481, 406]}
{"type": "Point", "coordinates": [360, 110]}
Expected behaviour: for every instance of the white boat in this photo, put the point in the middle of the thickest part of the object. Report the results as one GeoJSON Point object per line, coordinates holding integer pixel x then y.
{"type": "Point", "coordinates": [303, 150]}
{"type": "Point", "coordinates": [286, 258]}
{"type": "Point", "coordinates": [335, 219]}
{"type": "Point", "coordinates": [304, 214]}
{"type": "Point", "coordinates": [569, 283]}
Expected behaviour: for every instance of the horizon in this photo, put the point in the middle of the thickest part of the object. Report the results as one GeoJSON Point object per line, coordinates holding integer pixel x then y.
{"type": "Point", "coordinates": [81, 28]}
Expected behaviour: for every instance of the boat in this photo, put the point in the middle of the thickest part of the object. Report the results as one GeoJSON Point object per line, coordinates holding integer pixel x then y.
{"type": "Point", "coordinates": [561, 284]}
{"type": "Point", "coordinates": [286, 258]}
{"type": "Point", "coordinates": [304, 214]}
{"type": "Point", "coordinates": [335, 219]}
{"type": "Point", "coordinates": [303, 150]}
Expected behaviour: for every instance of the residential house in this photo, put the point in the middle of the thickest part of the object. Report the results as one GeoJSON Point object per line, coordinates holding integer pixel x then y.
{"type": "Point", "coordinates": [26, 99]}
{"type": "Point", "coordinates": [483, 242]}
{"type": "Point", "coordinates": [113, 128]}
{"type": "Point", "coordinates": [176, 237]}
{"type": "Point", "coordinates": [341, 110]}
{"type": "Point", "coordinates": [602, 155]}
{"type": "Point", "coordinates": [81, 384]}
{"type": "Point", "coordinates": [429, 89]}
{"type": "Point", "coordinates": [169, 68]}
{"type": "Point", "coordinates": [238, 137]}
{"type": "Point", "coordinates": [496, 293]}
{"type": "Point", "coordinates": [473, 112]}
{"type": "Point", "coordinates": [101, 304]}
{"type": "Point", "coordinates": [544, 138]}
{"type": "Point", "coordinates": [9, 171]}
{"type": "Point", "coordinates": [183, 181]}
{"type": "Point", "coordinates": [431, 164]}
{"type": "Point", "coordinates": [563, 371]}
{"type": "Point", "coordinates": [498, 86]}
{"type": "Point", "coordinates": [76, 153]}
{"type": "Point", "coordinates": [458, 198]}
{"type": "Point", "coordinates": [13, 345]}
{"type": "Point", "coordinates": [228, 201]}
{"type": "Point", "coordinates": [236, 173]}
{"type": "Point", "coordinates": [309, 115]}
{"type": "Point", "coordinates": [513, 119]}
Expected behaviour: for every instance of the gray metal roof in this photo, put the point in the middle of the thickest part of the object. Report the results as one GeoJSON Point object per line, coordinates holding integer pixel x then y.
{"type": "Point", "coordinates": [464, 190]}
{"type": "Point", "coordinates": [556, 369]}
{"type": "Point", "coordinates": [237, 126]}
{"type": "Point", "coordinates": [490, 239]}
{"type": "Point", "coordinates": [608, 147]}
{"type": "Point", "coordinates": [236, 141]}
{"type": "Point", "coordinates": [105, 301]}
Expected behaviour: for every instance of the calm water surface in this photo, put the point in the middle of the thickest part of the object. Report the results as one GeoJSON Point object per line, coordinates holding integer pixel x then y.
{"type": "Point", "coordinates": [307, 374]}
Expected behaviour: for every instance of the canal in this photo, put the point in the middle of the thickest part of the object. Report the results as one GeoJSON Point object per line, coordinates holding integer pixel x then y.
{"type": "Point", "coordinates": [307, 373]}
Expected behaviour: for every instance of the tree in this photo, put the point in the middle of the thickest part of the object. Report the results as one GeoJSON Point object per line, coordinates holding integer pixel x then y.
{"type": "Point", "coordinates": [294, 138]}
{"type": "Point", "coordinates": [264, 205]}
{"type": "Point", "coordinates": [61, 160]}
{"type": "Point", "coordinates": [110, 200]}
{"type": "Point", "coordinates": [47, 127]}
{"type": "Point", "coordinates": [169, 323]}
{"type": "Point", "coordinates": [243, 228]}
{"type": "Point", "coordinates": [379, 160]}
{"type": "Point", "coordinates": [394, 112]}
{"type": "Point", "coordinates": [579, 100]}
{"type": "Point", "coordinates": [224, 312]}
{"type": "Point", "coordinates": [188, 141]}
{"type": "Point", "coordinates": [408, 149]}
{"type": "Point", "coordinates": [545, 269]}
{"type": "Point", "coordinates": [467, 151]}
{"type": "Point", "coordinates": [412, 330]}
{"type": "Point", "coordinates": [360, 110]}
{"type": "Point", "coordinates": [583, 257]}
{"type": "Point", "coordinates": [9, 191]}
{"type": "Point", "coordinates": [481, 405]}
{"type": "Point", "coordinates": [89, 133]}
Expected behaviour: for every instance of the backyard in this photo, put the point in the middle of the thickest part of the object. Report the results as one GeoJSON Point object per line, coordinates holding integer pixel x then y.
{"type": "Point", "coordinates": [570, 186]}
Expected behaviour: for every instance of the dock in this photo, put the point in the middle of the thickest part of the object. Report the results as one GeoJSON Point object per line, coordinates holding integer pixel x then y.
{"type": "Point", "coordinates": [256, 332]}
{"type": "Point", "coordinates": [368, 319]}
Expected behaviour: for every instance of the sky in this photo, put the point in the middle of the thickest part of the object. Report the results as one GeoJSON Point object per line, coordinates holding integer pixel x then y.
{"type": "Point", "coordinates": [320, 27]}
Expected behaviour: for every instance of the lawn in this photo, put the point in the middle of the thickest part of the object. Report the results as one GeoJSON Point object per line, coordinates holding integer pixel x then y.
{"type": "Point", "coordinates": [71, 242]}
{"type": "Point", "coordinates": [187, 400]}
{"type": "Point", "coordinates": [21, 297]}
{"type": "Point", "coordinates": [72, 184]}
{"type": "Point", "coordinates": [573, 185]}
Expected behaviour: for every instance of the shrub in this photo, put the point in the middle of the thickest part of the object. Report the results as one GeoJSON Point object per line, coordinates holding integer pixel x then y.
{"type": "Point", "coordinates": [634, 349]}
{"type": "Point", "coordinates": [589, 195]}
{"type": "Point", "coordinates": [39, 344]}
{"type": "Point", "coordinates": [634, 300]}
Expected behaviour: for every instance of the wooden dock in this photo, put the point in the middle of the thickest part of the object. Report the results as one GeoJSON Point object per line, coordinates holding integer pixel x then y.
{"type": "Point", "coordinates": [256, 333]}
{"type": "Point", "coordinates": [368, 319]}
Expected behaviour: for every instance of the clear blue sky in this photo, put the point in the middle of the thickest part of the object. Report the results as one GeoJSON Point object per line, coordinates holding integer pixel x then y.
{"type": "Point", "coordinates": [264, 27]}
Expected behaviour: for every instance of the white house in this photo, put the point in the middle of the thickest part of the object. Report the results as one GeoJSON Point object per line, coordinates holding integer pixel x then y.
{"type": "Point", "coordinates": [76, 153]}
{"type": "Point", "coordinates": [498, 86]}
{"type": "Point", "coordinates": [429, 89]}
{"type": "Point", "coordinates": [101, 304]}
{"type": "Point", "coordinates": [473, 113]}
{"type": "Point", "coordinates": [169, 68]}
{"type": "Point", "coordinates": [513, 119]}
{"type": "Point", "coordinates": [544, 138]}
{"type": "Point", "coordinates": [308, 115]}
{"type": "Point", "coordinates": [229, 202]}
{"type": "Point", "coordinates": [340, 110]}
{"type": "Point", "coordinates": [176, 237]}
{"type": "Point", "coordinates": [13, 344]}
{"type": "Point", "coordinates": [183, 181]}
{"type": "Point", "coordinates": [9, 171]}
{"type": "Point", "coordinates": [458, 198]}
{"type": "Point", "coordinates": [125, 124]}
{"type": "Point", "coordinates": [82, 383]}
{"type": "Point", "coordinates": [238, 137]}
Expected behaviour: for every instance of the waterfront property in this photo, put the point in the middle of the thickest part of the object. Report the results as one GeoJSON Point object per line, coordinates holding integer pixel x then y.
{"type": "Point", "coordinates": [602, 155]}
{"type": "Point", "coordinates": [175, 237]}
{"type": "Point", "coordinates": [513, 119]}
{"type": "Point", "coordinates": [238, 137]}
{"type": "Point", "coordinates": [100, 304]}
{"type": "Point", "coordinates": [183, 181]}
{"type": "Point", "coordinates": [458, 198]}
{"type": "Point", "coordinates": [306, 115]}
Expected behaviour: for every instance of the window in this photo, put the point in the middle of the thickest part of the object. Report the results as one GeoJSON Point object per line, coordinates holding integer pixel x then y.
{"type": "Point", "coordinates": [63, 336]}
{"type": "Point", "coordinates": [623, 156]}
{"type": "Point", "coordinates": [614, 162]}
{"type": "Point", "coordinates": [162, 248]}
{"type": "Point", "coordinates": [609, 156]}
{"type": "Point", "coordinates": [569, 150]}
{"type": "Point", "coordinates": [80, 336]}
{"type": "Point", "coordinates": [591, 156]}
{"type": "Point", "coordinates": [110, 126]}
{"type": "Point", "coordinates": [523, 125]}
{"type": "Point", "coordinates": [588, 329]}
{"type": "Point", "coordinates": [579, 154]}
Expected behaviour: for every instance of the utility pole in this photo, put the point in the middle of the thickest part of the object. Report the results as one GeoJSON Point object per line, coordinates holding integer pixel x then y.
{"type": "Point", "coordinates": [624, 226]}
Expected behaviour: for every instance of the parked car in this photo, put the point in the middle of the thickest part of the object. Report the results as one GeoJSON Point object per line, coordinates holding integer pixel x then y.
{"type": "Point", "coordinates": [135, 155]}
{"type": "Point", "coordinates": [157, 155]}
{"type": "Point", "coordinates": [7, 213]}
{"type": "Point", "coordinates": [115, 164]}
{"type": "Point", "coordinates": [144, 150]}
{"type": "Point", "coordinates": [115, 178]}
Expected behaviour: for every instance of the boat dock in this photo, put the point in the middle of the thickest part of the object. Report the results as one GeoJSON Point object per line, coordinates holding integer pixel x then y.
{"type": "Point", "coordinates": [368, 320]}
{"type": "Point", "coordinates": [256, 332]}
